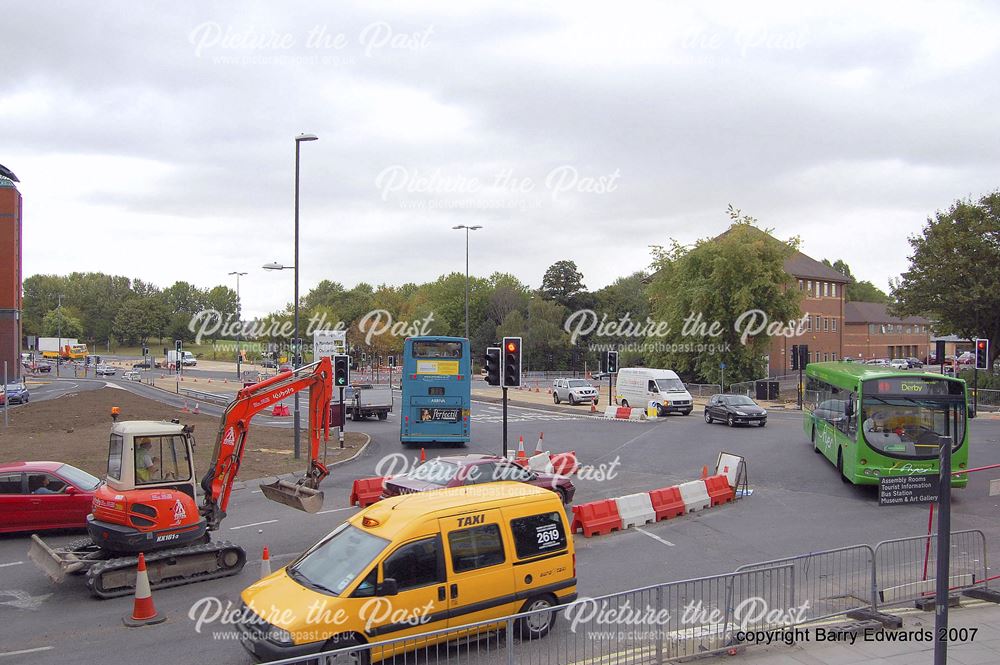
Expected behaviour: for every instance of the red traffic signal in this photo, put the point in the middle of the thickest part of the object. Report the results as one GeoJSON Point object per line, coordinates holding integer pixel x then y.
{"type": "Point", "coordinates": [511, 346]}
{"type": "Point", "coordinates": [982, 353]}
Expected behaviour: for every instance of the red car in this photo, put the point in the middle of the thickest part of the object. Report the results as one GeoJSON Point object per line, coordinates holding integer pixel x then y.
{"type": "Point", "coordinates": [473, 469]}
{"type": "Point", "coordinates": [35, 496]}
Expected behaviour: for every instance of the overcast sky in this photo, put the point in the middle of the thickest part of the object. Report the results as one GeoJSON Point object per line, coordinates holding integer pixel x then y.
{"type": "Point", "coordinates": [156, 140]}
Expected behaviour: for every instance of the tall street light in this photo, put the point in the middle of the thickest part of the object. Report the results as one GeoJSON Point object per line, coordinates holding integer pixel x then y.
{"type": "Point", "coordinates": [239, 330]}
{"type": "Point", "coordinates": [467, 229]}
{"type": "Point", "coordinates": [296, 342]}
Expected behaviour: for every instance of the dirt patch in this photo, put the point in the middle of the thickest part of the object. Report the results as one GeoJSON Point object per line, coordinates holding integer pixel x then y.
{"type": "Point", "coordinates": [74, 429]}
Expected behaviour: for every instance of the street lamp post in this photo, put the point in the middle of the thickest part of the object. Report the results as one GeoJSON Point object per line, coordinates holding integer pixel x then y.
{"type": "Point", "coordinates": [59, 348]}
{"type": "Point", "coordinates": [296, 343]}
{"type": "Point", "coordinates": [239, 330]}
{"type": "Point", "coordinates": [467, 229]}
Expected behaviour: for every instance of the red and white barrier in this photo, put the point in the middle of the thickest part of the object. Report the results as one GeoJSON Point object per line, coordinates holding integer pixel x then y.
{"type": "Point", "coordinates": [635, 509]}
{"type": "Point", "coordinates": [695, 495]}
{"type": "Point", "coordinates": [624, 413]}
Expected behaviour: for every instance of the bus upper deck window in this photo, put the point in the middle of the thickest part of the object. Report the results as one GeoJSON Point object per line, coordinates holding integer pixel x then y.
{"type": "Point", "coordinates": [435, 390]}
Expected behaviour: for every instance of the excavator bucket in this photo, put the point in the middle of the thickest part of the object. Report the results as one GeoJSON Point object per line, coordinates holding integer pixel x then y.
{"type": "Point", "coordinates": [293, 495]}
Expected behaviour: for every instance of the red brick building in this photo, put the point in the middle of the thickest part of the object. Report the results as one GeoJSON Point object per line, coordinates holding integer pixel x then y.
{"type": "Point", "coordinates": [10, 274]}
{"type": "Point", "coordinates": [871, 332]}
{"type": "Point", "coordinates": [823, 300]}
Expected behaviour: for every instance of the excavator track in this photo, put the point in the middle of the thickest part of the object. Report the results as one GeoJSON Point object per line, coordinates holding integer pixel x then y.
{"type": "Point", "coordinates": [115, 577]}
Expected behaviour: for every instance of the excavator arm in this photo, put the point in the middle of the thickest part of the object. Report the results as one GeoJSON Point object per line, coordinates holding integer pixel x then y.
{"type": "Point", "coordinates": [230, 444]}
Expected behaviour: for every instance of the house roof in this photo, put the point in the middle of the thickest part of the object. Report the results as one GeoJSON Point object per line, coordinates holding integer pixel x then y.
{"type": "Point", "coordinates": [876, 312]}
{"type": "Point", "coordinates": [806, 267]}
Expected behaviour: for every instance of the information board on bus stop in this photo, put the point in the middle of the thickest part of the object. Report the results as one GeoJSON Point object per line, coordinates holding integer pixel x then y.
{"type": "Point", "coordinates": [895, 490]}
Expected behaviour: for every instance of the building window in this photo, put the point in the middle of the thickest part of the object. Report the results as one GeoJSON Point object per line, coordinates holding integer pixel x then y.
{"type": "Point", "coordinates": [818, 323]}
{"type": "Point", "coordinates": [802, 285]}
{"type": "Point", "coordinates": [833, 289]}
{"type": "Point", "coordinates": [834, 354]}
{"type": "Point", "coordinates": [833, 326]}
{"type": "Point", "coordinates": [809, 287]}
{"type": "Point", "coordinates": [809, 323]}
{"type": "Point", "coordinates": [871, 328]}
{"type": "Point", "coordinates": [826, 288]}
{"type": "Point", "coordinates": [826, 324]}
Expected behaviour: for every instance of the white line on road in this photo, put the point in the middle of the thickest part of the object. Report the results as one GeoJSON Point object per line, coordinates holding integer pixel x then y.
{"type": "Point", "coordinates": [24, 651]}
{"type": "Point", "coordinates": [15, 563]}
{"type": "Point", "coordinates": [244, 526]}
{"type": "Point", "coordinates": [655, 537]}
{"type": "Point", "coordinates": [334, 510]}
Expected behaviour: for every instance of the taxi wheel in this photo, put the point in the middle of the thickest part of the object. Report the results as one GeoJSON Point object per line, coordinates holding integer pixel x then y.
{"type": "Point", "coordinates": [351, 658]}
{"type": "Point", "coordinates": [536, 626]}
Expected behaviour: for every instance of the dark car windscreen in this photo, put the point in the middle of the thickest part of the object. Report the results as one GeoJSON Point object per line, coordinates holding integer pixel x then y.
{"type": "Point", "coordinates": [435, 472]}
{"type": "Point", "coordinates": [337, 560]}
{"type": "Point", "coordinates": [670, 385]}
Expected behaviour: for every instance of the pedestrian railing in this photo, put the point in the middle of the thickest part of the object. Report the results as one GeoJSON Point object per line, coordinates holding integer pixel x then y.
{"type": "Point", "coordinates": [207, 397]}
{"type": "Point", "coordinates": [988, 400]}
{"type": "Point", "coordinates": [905, 568]}
{"type": "Point", "coordinates": [681, 620]}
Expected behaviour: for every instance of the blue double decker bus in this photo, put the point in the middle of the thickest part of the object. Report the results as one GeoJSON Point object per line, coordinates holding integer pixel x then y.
{"type": "Point", "coordinates": [437, 390]}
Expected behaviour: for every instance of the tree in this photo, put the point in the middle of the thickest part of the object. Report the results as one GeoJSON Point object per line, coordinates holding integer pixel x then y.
{"type": "Point", "coordinates": [718, 280]}
{"type": "Point", "coordinates": [953, 276]}
{"type": "Point", "coordinates": [858, 290]}
{"type": "Point", "coordinates": [60, 322]}
{"type": "Point", "coordinates": [563, 283]}
{"type": "Point", "coordinates": [136, 321]}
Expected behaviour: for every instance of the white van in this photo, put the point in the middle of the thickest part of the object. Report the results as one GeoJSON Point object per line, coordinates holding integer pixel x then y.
{"type": "Point", "coordinates": [638, 386]}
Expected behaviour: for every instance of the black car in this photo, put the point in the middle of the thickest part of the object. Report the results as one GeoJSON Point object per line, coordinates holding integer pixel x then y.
{"type": "Point", "coordinates": [145, 364]}
{"type": "Point", "coordinates": [914, 363]}
{"type": "Point", "coordinates": [735, 410]}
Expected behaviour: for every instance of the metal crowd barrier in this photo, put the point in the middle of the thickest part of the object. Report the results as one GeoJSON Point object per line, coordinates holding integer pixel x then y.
{"type": "Point", "coordinates": [905, 568]}
{"type": "Point", "coordinates": [680, 620]}
{"type": "Point", "coordinates": [833, 581]}
{"type": "Point", "coordinates": [207, 397]}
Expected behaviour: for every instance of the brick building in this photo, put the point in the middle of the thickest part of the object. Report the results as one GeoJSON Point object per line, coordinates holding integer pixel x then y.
{"type": "Point", "coordinates": [10, 274]}
{"type": "Point", "coordinates": [871, 332]}
{"type": "Point", "coordinates": [822, 290]}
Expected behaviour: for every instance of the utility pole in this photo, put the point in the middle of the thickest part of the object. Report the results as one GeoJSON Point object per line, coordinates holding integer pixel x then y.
{"type": "Point", "coordinates": [59, 324]}
{"type": "Point", "coordinates": [943, 553]}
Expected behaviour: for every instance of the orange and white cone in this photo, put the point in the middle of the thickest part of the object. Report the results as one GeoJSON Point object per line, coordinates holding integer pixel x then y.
{"type": "Point", "coordinates": [541, 442]}
{"type": "Point", "coordinates": [143, 611]}
{"type": "Point", "coordinates": [196, 408]}
{"type": "Point", "coordinates": [265, 563]}
{"type": "Point", "coordinates": [520, 448]}
{"type": "Point", "coordinates": [185, 409]}
{"type": "Point", "coordinates": [423, 455]}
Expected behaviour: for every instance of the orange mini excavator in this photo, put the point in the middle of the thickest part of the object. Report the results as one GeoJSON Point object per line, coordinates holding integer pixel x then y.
{"type": "Point", "coordinates": [148, 501]}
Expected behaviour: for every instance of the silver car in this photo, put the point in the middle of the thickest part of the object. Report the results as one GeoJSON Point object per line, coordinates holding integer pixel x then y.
{"type": "Point", "coordinates": [574, 391]}
{"type": "Point", "coordinates": [105, 370]}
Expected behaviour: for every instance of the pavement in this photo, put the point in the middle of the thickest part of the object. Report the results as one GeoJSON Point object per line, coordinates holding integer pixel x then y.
{"type": "Point", "coordinates": [975, 627]}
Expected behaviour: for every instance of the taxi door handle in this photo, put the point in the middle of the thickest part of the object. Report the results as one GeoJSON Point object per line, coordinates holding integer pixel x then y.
{"type": "Point", "coordinates": [441, 593]}
{"type": "Point", "coordinates": [454, 591]}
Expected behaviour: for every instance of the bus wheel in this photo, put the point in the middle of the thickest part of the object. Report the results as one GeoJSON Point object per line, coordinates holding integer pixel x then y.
{"type": "Point", "coordinates": [840, 466]}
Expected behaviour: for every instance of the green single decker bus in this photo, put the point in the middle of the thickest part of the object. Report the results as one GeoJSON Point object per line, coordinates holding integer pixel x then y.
{"type": "Point", "coordinates": [873, 422]}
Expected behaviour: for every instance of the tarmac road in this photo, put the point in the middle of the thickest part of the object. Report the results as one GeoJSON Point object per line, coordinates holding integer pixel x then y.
{"type": "Point", "coordinates": [798, 505]}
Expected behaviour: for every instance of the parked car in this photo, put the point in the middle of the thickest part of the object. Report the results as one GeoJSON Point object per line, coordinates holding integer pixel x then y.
{"type": "Point", "coordinates": [105, 370]}
{"type": "Point", "coordinates": [573, 391]}
{"type": "Point", "coordinates": [899, 363]}
{"type": "Point", "coordinates": [473, 469]}
{"type": "Point", "coordinates": [967, 358]}
{"type": "Point", "coordinates": [132, 375]}
{"type": "Point", "coordinates": [43, 366]}
{"type": "Point", "coordinates": [16, 393]}
{"type": "Point", "coordinates": [268, 363]}
{"type": "Point", "coordinates": [597, 376]}
{"type": "Point", "coordinates": [735, 410]}
{"type": "Point", "coordinates": [914, 363]}
{"type": "Point", "coordinates": [879, 362]}
{"type": "Point", "coordinates": [35, 496]}
{"type": "Point", "coordinates": [146, 364]}
{"type": "Point", "coordinates": [285, 367]}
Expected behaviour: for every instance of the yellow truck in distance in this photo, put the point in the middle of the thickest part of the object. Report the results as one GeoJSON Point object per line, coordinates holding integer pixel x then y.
{"type": "Point", "coordinates": [68, 349]}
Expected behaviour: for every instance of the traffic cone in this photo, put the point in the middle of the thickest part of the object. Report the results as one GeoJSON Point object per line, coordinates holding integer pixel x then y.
{"type": "Point", "coordinates": [538, 446]}
{"type": "Point", "coordinates": [704, 472]}
{"type": "Point", "coordinates": [520, 448]}
{"type": "Point", "coordinates": [185, 409]}
{"type": "Point", "coordinates": [265, 563]}
{"type": "Point", "coordinates": [143, 611]}
{"type": "Point", "coordinates": [423, 455]}
{"type": "Point", "coordinates": [593, 407]}
{"type": "Point", "coordinates": [536, 388]}
{"type": "Point", "coordinates": [196, 411]}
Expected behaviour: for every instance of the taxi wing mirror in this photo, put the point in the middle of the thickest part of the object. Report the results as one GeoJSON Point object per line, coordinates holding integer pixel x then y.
{"type": "Point", "coordinates": [388, 587]}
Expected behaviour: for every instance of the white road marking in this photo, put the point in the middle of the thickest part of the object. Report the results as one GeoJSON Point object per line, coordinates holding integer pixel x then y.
{"type": "Point", "coordinates": [23, 600]}
{"type": "Point", "coordinates": [654, 537]}
{"type": "Point", "coordinates": [24, 651]}
{"type": "Point", "coordinates": [335, 510]}
{"type": "Point", "coordinates": [244, 526]}
{"type": "Point", "coordinates": [15, 563]}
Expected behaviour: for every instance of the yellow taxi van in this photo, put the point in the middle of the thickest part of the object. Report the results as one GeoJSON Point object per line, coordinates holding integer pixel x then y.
{"type": "Point", "coordinates": [417, 563]}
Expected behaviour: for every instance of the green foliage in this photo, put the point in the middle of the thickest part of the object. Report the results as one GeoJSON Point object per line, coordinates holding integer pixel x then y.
{"type": "Point", "coordinates": [720, 279]}
{"type": "Point", "coordinates": [858, 290]}
{"type": "Point", "coordinates": [61, 323]}
{"type": "Point", "coordinates": [563, 283]}
{"type": "Point", "coordinates": [953, 277]}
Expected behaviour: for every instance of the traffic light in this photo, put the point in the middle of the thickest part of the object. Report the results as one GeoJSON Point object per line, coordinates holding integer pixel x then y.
{"type": "Point", "coordinates": [982, 354]}
{"type": "Point", "coordinates": [364, 357]}
{"type": "Point", "coordinates": [341, 371]}
{"type": "Point", "coordinates": [939, 351]}
{"type": "Point", "coordinates": [392, 361]}
{"type": "Point", "coordinates": [177, 345]}
{"type": "Point", "coordinates": [491, 362]}
{"type": "Point", "coordinates": [612, 362]}
{"type": "Point", "coordinates": [511, 368]}
{"type": "Point", "coordinates": [145, 351]}
{"type": "Point", "coordinates": [803, 355]}
{"type": "Point", "coordinates": [795, 356]}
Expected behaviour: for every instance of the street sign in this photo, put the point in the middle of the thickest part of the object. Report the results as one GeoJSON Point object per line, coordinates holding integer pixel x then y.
{"type": "Point", "coordinates": [329, 343]}
{"type": "Point", "coordinates": [722, 365]}
{"type": "Point", "coordinates": [897, 490]}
